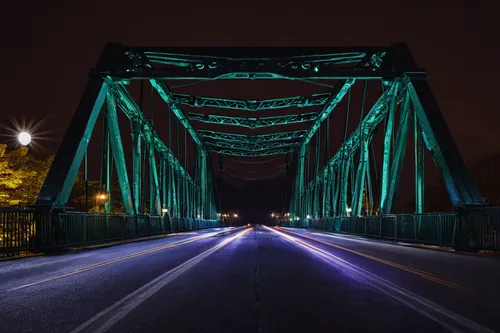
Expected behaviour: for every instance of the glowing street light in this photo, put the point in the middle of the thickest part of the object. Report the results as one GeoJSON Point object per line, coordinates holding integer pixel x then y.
{"type": "Point", "coordinates": [235, 216]}
{"type": "Point", "coordinates": [24, 138]}
{"type": "Point", "coordinates": [102, 196]}
{"type": "Point", "coordinates": [164, 211]}
{"type": "Point", "coordinates": [272, 215]}
{"type": "Point", "coordinates": [308, 216]}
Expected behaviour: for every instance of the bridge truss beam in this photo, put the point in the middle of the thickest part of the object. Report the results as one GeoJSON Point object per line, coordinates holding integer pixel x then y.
{"type": "Point", "coordinates": [252, 139]}
{"type": "Point", "coordinates": [252, 147]}
{"type": "Point", "coordinates": [245, 153]}
{"type": "Point", "coordinates": [253, 122]}
{"type": "Point", "coordinates": [253, 105]}
{"type": "Point", "coordinates": [344, 185]}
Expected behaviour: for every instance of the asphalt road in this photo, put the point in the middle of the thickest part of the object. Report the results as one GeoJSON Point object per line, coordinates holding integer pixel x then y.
{"type": "Point", "coordinates": [251, 280]}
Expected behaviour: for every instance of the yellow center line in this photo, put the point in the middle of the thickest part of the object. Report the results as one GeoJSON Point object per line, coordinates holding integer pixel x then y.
{"type": "Point", "coordinates": [423, 274]}
{"type": "Point", "coordinates": [129, 256]}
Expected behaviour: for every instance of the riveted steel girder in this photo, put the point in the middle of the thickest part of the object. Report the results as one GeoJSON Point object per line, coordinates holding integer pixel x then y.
{"type": "Point", "coordinates": [172, 103]}
{"type": "Point", "coordinates": [253, 122]}
{"type": "Point", "coordinates": [253, 105]}
{"type": "Point", "coordinates": [251, 153]}
{"type": "Point", "coordinates": [371, 120]}
{"type": "Point", "coordinates": [252, 147]}
{"type": "Point", "coordinates": [131, 109]}
{"type": "Point", "coordinates": [252, 139]}
{"type": "Point", "coordinates": [335, 97]}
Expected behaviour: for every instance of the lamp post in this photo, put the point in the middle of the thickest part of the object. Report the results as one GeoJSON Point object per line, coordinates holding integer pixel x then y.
{"type": "Point", "coordinates": [100, 196]}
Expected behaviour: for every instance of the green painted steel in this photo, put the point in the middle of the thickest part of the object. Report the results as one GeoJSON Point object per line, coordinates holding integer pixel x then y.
{"type": "Point", "coordinates": [387, 150]}
{"type": "Point", "coordinates": [71, 160]}
{"type": "Point", "coordinates": [169, 98]}
{"type": "Point", "coordinates": [252, 147]}
{"type": "Point", "coordinates": [253, 122]}
{"type": "Point", "coordinates": [130, 108]}
{"type": "Point", "coordinates": [251, 153]}
{"type": "Point", "coordinates": [252, 139]}
{"type": "Point", "coordinates": [346, 184]}
{"type": "Point", "coordinates": [399, 151]}
{"type": "Point", "coordinates": [461, 186]}
{"type": "Point", "coordinates": [251, 104]}
{"type": "Point", "coordinates": [118, 153]}
{"type": "Point", "coordinates": [335, 97]}
{"type": "Point", "coordinates": [419, 165]}
{"type": "Point", "coordinates": [136, 163]}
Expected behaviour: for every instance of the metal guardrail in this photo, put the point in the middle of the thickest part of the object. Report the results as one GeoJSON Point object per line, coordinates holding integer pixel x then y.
{"type": "Point", "coordinates": [478, 229]}
{"type": "Point", "coordinates": [17, 231]}
{"type": "Point", "coordinates": [81, 229]}
{"type": "Point", "coordinates": [23, 231]}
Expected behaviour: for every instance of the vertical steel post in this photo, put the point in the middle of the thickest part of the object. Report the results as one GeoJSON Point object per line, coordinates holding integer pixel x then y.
{"type": "Point", "coordinates": [386, 163]}
{"type": "Point", "coordinates": [136, 163]}
{"type": "Point", "coordinates": [315, 212]}
{"type": "Point", "coordinates": [107, 205]}
{"type": "Point", "coordinates": [118, 154]}
{"type": "Point", "coordinates": [164, 184]}
{"type": "Point", "coordinates": [419, 165]}
{"type": "Point", "coordinates": [399, 152]}
{"type": "Point", "coordinates": [86, 180]}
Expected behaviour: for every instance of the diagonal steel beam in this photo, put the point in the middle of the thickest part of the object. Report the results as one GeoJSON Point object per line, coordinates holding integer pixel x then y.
{"type": "Point", "coordinates": [132, 111]}
{"type": "Point", "coordinates": [335, 97]}
{"type": "Point", "coordinates": [253, 122]}
{"type": "Point", "coordinates": [371, 120]}
{"type": "Point", "coordinates": [172, 103]}
{"type": "Point", "coordinates": [253, 105]}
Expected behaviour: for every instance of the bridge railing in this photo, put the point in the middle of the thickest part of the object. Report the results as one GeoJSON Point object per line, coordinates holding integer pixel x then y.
{"type": "Point", "coordinates": [478, 229]}
{"type": "Point", "coordinates": [81, 229]}
{"type": "Point", "coordinates": [26, 230]}
{"type": "Point", "coordinates": [18, 230]}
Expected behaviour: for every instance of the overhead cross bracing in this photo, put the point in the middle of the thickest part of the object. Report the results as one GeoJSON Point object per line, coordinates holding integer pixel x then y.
{"type": "Point", "coordinates": [298, 126]}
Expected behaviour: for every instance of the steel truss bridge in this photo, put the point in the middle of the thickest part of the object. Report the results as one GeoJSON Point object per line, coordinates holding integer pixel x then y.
{"type": "Point", "coordinates": [348, 180]}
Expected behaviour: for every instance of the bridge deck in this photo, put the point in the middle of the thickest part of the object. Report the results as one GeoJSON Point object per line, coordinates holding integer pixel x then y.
{"type": "Point", "coordinates": [249, 280]}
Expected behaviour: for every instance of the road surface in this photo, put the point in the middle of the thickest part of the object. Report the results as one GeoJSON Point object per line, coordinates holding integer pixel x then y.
{"type": "Point", "coordinates": [253, 279]}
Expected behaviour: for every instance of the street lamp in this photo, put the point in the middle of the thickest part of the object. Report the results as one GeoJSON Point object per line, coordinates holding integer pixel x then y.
{"type": "Point", "coordinates": [235, 216]}
{"type": "Point", "coordinates": [24, 138]}
{"type": "Point", "coordinates": [100, 196]}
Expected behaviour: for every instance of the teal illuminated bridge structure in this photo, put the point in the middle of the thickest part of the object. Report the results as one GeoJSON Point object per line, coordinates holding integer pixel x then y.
{"type": "Point", "coordinates": [375, 99]}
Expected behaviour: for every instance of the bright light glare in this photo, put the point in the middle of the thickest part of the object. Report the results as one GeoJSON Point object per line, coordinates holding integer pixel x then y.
{"type": "Point", "coordinates": [24, 138]}
{"type": "Point", "coordinates": [348, 209]}
{"type": "Point", "coordinates": [308, 216]}
{"type": "Point", "coordinates": [235, 216]}
{"type": "Point", "coordinates": [197, 216]}
{"type": "Point", "coordinates": [164, 210]}
{"type": "Point", "coordinates": [102, 196]}
{"type": "Point", "coordinates": [22, 133]}
{"type": "Point", "coordinates": [272, 215]}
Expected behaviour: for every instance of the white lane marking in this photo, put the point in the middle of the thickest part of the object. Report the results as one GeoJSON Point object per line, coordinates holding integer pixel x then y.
{"type": "Point", "coordinates": [415, 302]}
{"type": "Point", "coordinates": [134, 299]}
{"type": "Point", "coordinates": [83, 269]}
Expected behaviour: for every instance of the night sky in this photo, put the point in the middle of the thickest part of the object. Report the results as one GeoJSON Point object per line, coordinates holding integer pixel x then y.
{"type": "Point", "coordinates": [47, 51]}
